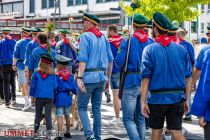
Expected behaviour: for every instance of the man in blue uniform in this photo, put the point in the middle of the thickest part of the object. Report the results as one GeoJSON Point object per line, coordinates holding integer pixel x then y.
{"type": "Point", "coordinates": [95, 68]}
{"type": "Point", "coordinates": [201, 103]}
{"type": "Point", "coordinates": [7, 45]}
{"type": "Point", "coordinates": [18, 61]}
{"type": "Point", "coordinates": [65, 47]}
{"type": "Point", "coordinates": [131, 96]}
{"type": "Point", "coordinates": [208, 34]}
{"type": "Point", "coordinates": [32, 45]}
{"type": "Point", "coordinates": [115, 40]}
{"type": "Point", "coordinates": [166, 72]}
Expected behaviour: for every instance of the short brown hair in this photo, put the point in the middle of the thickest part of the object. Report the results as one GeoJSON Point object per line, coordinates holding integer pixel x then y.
{"type": "Point", "coordinates": [45, 68]}
{"type": "Point", "coordinates": [42, 37]}
{"type": "Point", "coordinates": [113, 28]}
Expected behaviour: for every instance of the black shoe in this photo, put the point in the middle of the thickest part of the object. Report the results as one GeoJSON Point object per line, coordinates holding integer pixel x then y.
{"type": "Point", "coordinates": [187, 119]}
{"type": "Point", "coordinates": [108, 97]}
{"type": "Point", "coordinates": [67, 135]}
{"type": "Point", "coordinates": [7, 105]}
{"type": "Point", "coordinates": [58, 138]}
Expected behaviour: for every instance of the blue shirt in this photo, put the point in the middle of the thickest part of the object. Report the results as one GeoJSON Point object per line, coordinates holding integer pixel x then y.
{"type": "Point", "coordinates": [199, 60]}
{"type": "Point", "coordinates": [134, 61]}
{"type": "Point", "coordinates": [36, 55]}
{"type": "Point", "coordinates": [6, 51]}
{"type": "Point", "coordinates": [19, 52]}
{"type": "Point", "coordinates": [43, 87]}
{"type": "Point", "coordinates": [167, 68]}
{"type": "Point", "coordinates": [96, 53]}
{"type": "Point", "coordinates": [63, 98]}
{"type": "Point", "coordinates": [190, 50]}
{"type": "Point", "coordinates": [66, 50]}
{"type": "Point", "coordinates": [114, 49]}
{"type": "Point", "coordinates": [29, 49]}
{"type": "Point", "coordinates": [201, 102]}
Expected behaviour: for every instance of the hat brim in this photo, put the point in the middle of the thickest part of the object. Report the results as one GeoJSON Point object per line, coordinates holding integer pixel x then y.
{"type": "Point", "coordinates": [161, 28]}
{"type": "Point", "coordinates": [91, 20]}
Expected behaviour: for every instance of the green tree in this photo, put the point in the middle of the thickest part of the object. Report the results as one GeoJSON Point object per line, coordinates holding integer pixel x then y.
{"type": "Point", "coordinates": [180, 10]}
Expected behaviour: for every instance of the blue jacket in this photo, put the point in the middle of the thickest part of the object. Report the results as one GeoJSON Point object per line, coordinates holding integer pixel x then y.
{"type": "Point", "coordinates": [134, 61]}
{"type": "Point", "coordinates": [201, 102]}
{"type": "Point", "coordinates": [43, 87]}
{"type": "Point", "coordinates": [35, 57]}
{"type": "Point", "coordinates": [96, 53]}
{"type": "Point", "coordinates": [114, 49]}
{"type": "Point", "coordinates": [167, 68]}
{"type": "Point", "coordinates": [19, 52]}
{"type": "Point", "coordinates": [29, 49]}
{"type": "Point", "coordinates": [190, 50]}
{"type": "Point", "coordinates": [6, 51]}
{"type": "Point", "coordinates": [66, 50]}
{"type": "Point", "coordinates": [199, 60]}
{"type": "Point", "coordinates": [63, 98]}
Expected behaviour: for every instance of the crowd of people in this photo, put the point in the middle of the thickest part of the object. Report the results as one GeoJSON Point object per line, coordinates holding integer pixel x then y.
{"type": "Point", "coordinates": [160, 74]}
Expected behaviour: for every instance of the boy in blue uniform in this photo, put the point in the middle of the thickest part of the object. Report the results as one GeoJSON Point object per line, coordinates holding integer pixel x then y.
{"type": "Point", "coordinates": [131, 94]}
{"type": "Point", "coordinates": [7, 45]}
{"type": "Point", "coordinates": [166, 72]}
{"type": "Point", "coordinates": [18, 61]}
{"type": "Point", "coordinates": [95, 67]}
{"type": "Point", "coordinates": [32, 45]}
{"type": "Point", "coordinates": [65, 47]}
{"type": "Point", "coordinates": [63, 96]}
{"type": "Point", "coordinates": [201, 103]}
{"type": "Point", "coordinates": [43, 87]}
{"type": "Point", "coordinates": [115, 40]}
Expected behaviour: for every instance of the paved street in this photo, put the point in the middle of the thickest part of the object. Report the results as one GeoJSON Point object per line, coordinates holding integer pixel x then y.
{"type": "Point", "coordinates": [14, 118]}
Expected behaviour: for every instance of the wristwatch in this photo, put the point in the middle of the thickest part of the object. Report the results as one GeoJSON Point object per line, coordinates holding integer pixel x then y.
{"type": "Point", "coordinates": [79, 77]}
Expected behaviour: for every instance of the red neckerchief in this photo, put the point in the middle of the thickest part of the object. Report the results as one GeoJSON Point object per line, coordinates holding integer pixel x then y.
{"type": "Point", "coordinates": [43, 75]}
{"type": "Point", "coordinates": [64, 73]}
{"type": "Point", "coordinates": [95, 31]}
{"type": "Point", "coordinates": [163, 40]}
{"type": "Point", "coordinates": [141, 35]}
{"type": "Point", "coordinates": [53, 43]}
{"type": "Point", "coordinates": [181, 39]}
{"type": "Point", "coordinates": [43, 46]}
{"type": "Point", "coordinates": [9, 38]}
{"type": "Point", "coordinates": [116, 40]}
{"type": "Point", "coordinates": [175, 39]}
{"type": "Point", "coordinates": [65, 41]}
{"type": "Point", "coordinates": [36, 40]}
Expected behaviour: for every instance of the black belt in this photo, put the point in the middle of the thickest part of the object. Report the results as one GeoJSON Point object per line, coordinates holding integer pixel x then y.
{"type": "Point", "coordinates": [20, 60]}
{"type": "Point", "coordinates": [167, 91]}
{"type": "Point", "coordinates": [94, 70]}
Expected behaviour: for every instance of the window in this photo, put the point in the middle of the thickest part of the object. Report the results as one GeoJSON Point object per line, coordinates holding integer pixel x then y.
{"type": "Point", "coordinates": [99, 1]}
{"type": "Point", "coordinates": [193, 27]}
{"type": "Point", "coordinates": [202, 27]}
{"type": "Point", "coordinates": [79, 2]}
{"type": "Point", "coordinates": [208, 24]}
{"type": "Point", "coordinates": [44, 4]}
{"type": "Point", "coordinates": [32, 6]}
{"type": "Point", "coordinates": [202, 8]}
{"type": "Point", "coordinates": [70, 2]}
{"type": "Point", "coordinates": [51, 3]}
{"type": "Point", "coordinates": [84, 1]}
{"type": "Point", "coordinates": [208, 8]}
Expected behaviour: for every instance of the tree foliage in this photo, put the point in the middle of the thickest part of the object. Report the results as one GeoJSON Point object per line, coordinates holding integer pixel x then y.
{"type": "Point", "coordinates": [180, 10]}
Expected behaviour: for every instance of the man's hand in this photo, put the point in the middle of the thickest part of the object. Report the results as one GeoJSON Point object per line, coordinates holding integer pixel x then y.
{"type": "Point", "coordinates": [202, 122]}
{"type": "Point", "coordinates": [81, 86]}
{"type": "Point", "coordinates": [145, 110]}
{"type": "Point", "coordinates": [193, 86]}
{"type": "Point", "coordinates": [107, 85]}
{"type": "Point", "coordinates": [186, 107]}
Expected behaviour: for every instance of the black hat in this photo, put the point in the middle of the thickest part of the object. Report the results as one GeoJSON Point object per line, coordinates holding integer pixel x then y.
{"type": "Point", "coordinates": [47, 58]}
{"type": "Point", "coordinates": [93, 18]}
{"type": "Point", "coordinates": [62, 59]}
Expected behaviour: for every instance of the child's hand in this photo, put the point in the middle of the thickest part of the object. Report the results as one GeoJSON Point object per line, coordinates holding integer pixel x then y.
{"type": "Point", "coordinates": [202, 122]}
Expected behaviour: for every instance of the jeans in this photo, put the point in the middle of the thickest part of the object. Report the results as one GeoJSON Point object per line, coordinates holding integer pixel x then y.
{"type": "Point", "coordinates": [94, 91]}
{"type": "Point", "coordinates": [9, 83]}
{"type": "Point", "coordinates": [131, 106]}
{"type": "Point", "coordinates": [39, 105]}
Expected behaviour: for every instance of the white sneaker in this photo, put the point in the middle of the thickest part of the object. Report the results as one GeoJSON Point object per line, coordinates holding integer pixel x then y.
{"type": "Point", "coordinates": [115, 121]}
{"type": "Point", "coordinates": [26, 107]}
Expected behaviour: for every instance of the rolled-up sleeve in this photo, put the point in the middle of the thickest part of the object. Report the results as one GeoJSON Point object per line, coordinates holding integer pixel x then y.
{"type": "Point", "coordinates": [147, 65]}
{"type": "Point", "coordinates": [83, 49]}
